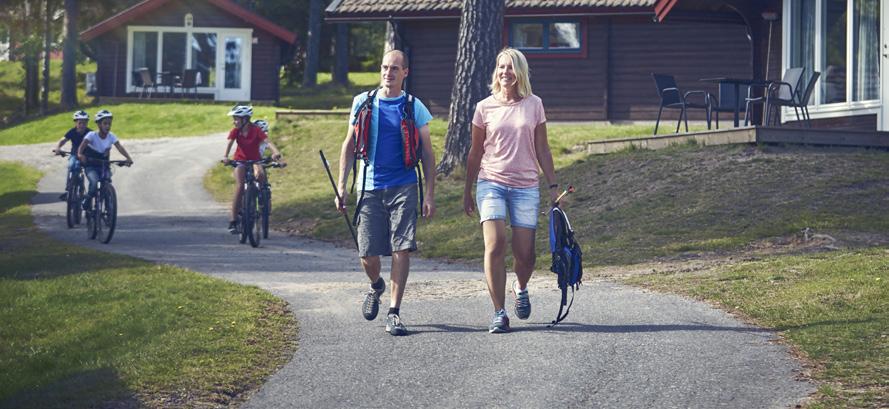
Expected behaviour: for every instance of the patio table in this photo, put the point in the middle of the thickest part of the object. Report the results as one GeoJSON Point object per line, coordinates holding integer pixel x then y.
{"type": "Point", "coordinates": [737, 82]}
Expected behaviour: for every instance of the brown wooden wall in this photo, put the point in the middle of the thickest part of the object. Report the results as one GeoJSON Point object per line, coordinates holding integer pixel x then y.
{"type": "Point", "coordinates": [613, 82]}
{"type": "Point", "coordinates": [111, 67]}
{"type": "Point", "coordinates": [857, 122]}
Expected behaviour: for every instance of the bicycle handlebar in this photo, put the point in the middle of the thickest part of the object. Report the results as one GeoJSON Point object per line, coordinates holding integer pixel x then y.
{"type": "Point", "coordinates": [265, 162]}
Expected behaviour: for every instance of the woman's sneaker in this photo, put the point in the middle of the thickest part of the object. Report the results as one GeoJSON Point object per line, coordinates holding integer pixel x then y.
{"type": "Point", "coordinates": [522, 302]}
{"type": "Point", "coordinates": [371, 305]}
{"type": "Point", "coordinates": [500, 324]}
{"type": "Point", "coordinates": [394, 325]}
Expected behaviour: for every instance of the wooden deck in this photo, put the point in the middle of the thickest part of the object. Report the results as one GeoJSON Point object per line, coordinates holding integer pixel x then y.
{"type": "Point", "coordinates": [746, 135]}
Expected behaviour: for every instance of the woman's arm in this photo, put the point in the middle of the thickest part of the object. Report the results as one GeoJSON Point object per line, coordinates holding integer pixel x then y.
{"type": "Point", "coordinates": [473, 164]}
{"type": "Point", "coordinates": [228, 149]}
{"type": "Point", "coordinates": [545, 159]}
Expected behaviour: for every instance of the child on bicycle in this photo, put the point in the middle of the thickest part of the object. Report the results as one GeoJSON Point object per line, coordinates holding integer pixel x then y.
{"type": "Point", "coordinates": [249, 137]}
{"type": "Point", "coordinates": [75, 135]}
{"type": "Point", "coordinates": [95, 148]}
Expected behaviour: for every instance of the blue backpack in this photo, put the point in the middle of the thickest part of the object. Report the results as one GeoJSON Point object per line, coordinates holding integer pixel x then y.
{"type": "Point", "coordinates": [567, 259]}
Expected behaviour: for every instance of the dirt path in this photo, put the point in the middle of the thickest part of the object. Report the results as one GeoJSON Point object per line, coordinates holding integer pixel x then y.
{"type": "Point", "coordinates": [621, 346]}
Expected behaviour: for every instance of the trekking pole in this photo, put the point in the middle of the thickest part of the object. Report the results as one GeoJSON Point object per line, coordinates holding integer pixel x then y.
{"type": "Point", "coordinates": [337, 193]}
{"type": "Point", "coordinates": [569, 189]}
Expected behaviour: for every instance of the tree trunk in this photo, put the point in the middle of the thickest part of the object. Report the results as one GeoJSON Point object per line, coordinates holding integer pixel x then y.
{"type": "Point", "coordinates": [392, 37]}
{"type": "Point", "coordinates": [341, 55]}
{"type": "Point", "coordinates": [47, 50]}
{"type": "Point", "coordinates": [69, 56]}
{"type": "Point", "coordinates": [313, 44]}
{"type": "Point", "coordinates": [479, 41]}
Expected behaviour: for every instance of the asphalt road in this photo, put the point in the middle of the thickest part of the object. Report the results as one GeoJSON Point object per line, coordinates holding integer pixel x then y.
{"type": "Point", "coordinates": [620, 347]}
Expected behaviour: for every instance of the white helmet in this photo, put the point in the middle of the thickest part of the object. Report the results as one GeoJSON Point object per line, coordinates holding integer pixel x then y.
{"type": "Point", "coordinates": [241, 110]}
{"type": "Point", "coordinates": [81, 115]}
{"type": "Point", "coordinates": [102, 115]}
{"type": "Point", "coordinates": [262, 124]}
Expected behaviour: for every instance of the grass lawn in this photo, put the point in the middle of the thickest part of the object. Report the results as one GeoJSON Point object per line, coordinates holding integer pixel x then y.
{"type": "Point", "coordinates": [12, 90]}
{"type": "Point", "coordinates": [832, 307]}
{"type": "Point", "coordinates": [683, 203]}
{"type": "Point", "coordinates": [136, 121]}
{"type": "Point", "coordinates": [83, 328]}
{"type": "Point", "coordinates": [327, 95]}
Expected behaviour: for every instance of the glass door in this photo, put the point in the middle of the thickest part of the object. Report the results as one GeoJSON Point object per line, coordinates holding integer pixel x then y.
{"type": "Point", "coordinates": [884, 72]}
{"type": "Point", "coordinates": [233, 66]}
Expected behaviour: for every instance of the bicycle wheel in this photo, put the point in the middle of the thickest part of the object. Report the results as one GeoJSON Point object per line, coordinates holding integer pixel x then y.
{"type": "Point", "coordinates": [246, 222]}
{"type": "Point", "coordinates": [108, 214]}
{"type": "Point", "coordinates": [72, 206]}
{"type": "Point", "coordinates": [251, 216]}
{"type": "Point", "coordinates": [266, 208]}
{"type": "Point", "coordinates": [92, 224]}
{"type": "Point", "coordinates": [78, 199]}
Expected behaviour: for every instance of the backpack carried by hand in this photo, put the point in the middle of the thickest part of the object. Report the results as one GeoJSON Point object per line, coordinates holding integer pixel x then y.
{"type": "Point", "coordinates": [567, 259]}
{"type": "Point", "coordinates": [410, 143]}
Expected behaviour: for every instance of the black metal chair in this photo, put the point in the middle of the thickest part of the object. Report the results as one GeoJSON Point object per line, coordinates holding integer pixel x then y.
{"type": "Point", "coordinates": [801, 102]}
{"type": "Point", "coordinates": [147, 81]}
{"type": "Point", "coordinates": [671, 97]}
{"type": "Point", "coordinates": [189, 81]}
{"type": "Point", "coordinates": [776, 93]}
{"type": "Point", "coordinates": [727, 101]}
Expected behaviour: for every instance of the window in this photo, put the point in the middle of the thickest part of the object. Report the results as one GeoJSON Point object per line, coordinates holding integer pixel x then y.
{"type": "Point", "coordinates": [839, 39]}
{"type": "Point", "coordinates": [546, 36]}
{"type": "Point", "coordinates": [144, 54]}
{"type": "Point", "coordinates": [203, 57]}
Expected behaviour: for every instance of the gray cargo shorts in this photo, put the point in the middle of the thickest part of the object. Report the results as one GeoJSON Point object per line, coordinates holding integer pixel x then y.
{"type": "Point", "coordinates": [387, 221]}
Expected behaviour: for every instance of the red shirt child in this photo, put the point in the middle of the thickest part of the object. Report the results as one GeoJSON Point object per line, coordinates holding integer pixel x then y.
{"type": "Point", "coordinates": [248, 146]}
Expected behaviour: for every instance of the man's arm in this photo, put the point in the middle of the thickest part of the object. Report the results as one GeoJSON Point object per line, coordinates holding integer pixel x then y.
{"type": "Point", "coordinates": [429, 171]}
{"type": "Point", "coordinates": [59, 146]}
{"type": "Point", "coordinates": [347, 158]}
{"type": "Point", "coordinates": [123, 151]}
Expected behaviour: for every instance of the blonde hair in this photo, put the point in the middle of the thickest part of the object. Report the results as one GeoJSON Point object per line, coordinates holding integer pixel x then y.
{"type": "Point", "coordinates": [519, 66]}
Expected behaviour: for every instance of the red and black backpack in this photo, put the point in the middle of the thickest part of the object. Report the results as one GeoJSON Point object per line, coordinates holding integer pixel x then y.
{"type": "Point", "coordinates": [410, 144]}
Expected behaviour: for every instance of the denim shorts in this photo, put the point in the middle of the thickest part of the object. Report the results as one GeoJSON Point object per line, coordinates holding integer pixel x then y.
{"type": "Point", "coordinates": [495, 201]}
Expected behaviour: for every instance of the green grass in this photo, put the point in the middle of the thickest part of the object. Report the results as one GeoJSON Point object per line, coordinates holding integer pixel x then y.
{"type": "Point", "coordinates": [832, 307]}
{"type": "Point", "coordinates": [136, 121]}
{"type": "Point", "coordinates": [83, 328]}
{"type": "Point", "coordinates": [327, 95]}
{"type": "Point", "coordinates": [12, 94]}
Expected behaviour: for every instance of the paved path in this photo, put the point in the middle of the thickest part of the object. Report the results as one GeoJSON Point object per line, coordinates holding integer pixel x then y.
{"type": "Point", "coordinates": [621, 346]}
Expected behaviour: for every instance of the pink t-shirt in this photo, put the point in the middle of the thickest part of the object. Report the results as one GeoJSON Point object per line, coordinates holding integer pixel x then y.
{"type": "Point", "coordinates": [510, 156]}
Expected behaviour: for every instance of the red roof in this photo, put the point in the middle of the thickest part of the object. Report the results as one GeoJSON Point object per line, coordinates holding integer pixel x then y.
{"type": "Point", "coordinates": [147, 6]}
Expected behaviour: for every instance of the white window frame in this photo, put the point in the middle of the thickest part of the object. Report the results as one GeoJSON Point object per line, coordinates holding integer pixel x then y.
{"type": "Point", "coordinates": [817, 110]}
{"type": "Point", "coordinates": [160, 30]}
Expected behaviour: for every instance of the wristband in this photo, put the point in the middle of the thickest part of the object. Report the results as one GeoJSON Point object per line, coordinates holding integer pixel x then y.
{"type": "Point", "coordinates": [554, 185]}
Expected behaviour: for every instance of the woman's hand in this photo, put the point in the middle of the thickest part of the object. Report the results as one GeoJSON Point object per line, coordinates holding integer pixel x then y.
{"type": "Point", "coordinates": [468, 203]}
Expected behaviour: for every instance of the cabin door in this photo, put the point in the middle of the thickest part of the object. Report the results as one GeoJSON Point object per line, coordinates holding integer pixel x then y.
{"type": "Point", "coordinates": [233, 65]}
{"type": "Point", "coordinates": [884, 67]}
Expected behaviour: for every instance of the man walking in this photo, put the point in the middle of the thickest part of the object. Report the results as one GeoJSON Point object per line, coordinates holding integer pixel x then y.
{"type": "Point", "coordinates": [385, 126]}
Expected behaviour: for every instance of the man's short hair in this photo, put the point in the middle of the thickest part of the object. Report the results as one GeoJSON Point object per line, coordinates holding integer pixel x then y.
{"type": "Point", "coordinates": [402, 54]}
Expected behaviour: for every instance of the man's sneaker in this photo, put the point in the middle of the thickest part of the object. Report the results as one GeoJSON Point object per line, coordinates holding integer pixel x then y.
{"type": "Point", "coordinates": [522, 302]}
{"type": "Point", "coordinates": [85, 204]}
{"type": "Point", "coordinates": [394, 325]}
{"type": "Point", "coordinates": [233, 227]}
{"type": "Point", "coordinates": [500, 323]}
{"type": "Point", "coordinates": [63, 197]}
{"type": "Point", "coordinates": [371, 305]}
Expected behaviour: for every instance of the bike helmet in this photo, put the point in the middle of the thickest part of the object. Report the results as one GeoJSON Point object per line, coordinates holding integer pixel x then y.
{"type": "Point", "coordinates": [102, 115]}
{"type": "Point", "coordinates": [262, 124]}
{"type": "Point", "coordinates": [81, 115]}
{"type": "Point", "coordinates": [241, 110]}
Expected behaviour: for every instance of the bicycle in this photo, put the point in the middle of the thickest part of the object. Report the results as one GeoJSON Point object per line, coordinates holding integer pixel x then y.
{"type": "Point", "coordinates": [265, 197]}
{"type": "Point", "coordinates": [101, 218]}
{"type": "Point", "coordinates": [74, 191]}
{"type": "Point", "coordinates": [249, 218]}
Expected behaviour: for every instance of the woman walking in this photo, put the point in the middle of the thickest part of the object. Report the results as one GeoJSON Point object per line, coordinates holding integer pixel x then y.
{"type": "Point", "coordinates": [509, 147]}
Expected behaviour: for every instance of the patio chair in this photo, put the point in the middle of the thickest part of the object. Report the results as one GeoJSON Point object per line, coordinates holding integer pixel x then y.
{"type": "Point", "coordinates": [727, 101]}
{"type": "Point", "coordinates": [671, 97]}
{"type": "Point", "coordinates": [786, 91]}
{"type": "Point", "coordinates": [189, 81]}
{"type": "Point", "coordinates": [801, 101]}
{"type": "Point", "coordinates": [147, 82]}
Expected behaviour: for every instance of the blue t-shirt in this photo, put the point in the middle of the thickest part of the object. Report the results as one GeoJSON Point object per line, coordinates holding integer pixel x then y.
{"type": "Point", "coordinates": [384, 148]}
{"type": "Point", "coordinates": [75, 138]}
